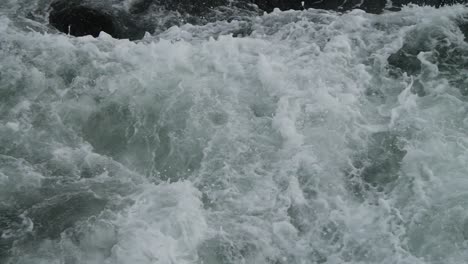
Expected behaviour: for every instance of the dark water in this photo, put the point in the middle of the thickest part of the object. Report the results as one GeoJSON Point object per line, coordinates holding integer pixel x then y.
{"type": "Point", "coordinates": [235, 137]}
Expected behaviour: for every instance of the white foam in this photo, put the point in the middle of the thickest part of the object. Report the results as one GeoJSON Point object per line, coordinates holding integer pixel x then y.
{"type": "Point", "coordinates": [165, 225]}
{"type": "Point", "coordinates": [242, 147]}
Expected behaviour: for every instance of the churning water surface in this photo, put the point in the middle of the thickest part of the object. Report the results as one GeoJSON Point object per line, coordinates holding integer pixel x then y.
{"type": "Point", "coordinates": [309, 137]}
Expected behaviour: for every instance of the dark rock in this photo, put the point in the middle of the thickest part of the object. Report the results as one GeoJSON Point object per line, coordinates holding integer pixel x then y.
{"type": "Point", "coordinates": [81, 21]}
{"type": "Point", "coordinates": [269, 5]}
{"type": "Point", "coordinates": [78, 19]}
{"type": "Point", "coordinates": [406, 61]}
{"type": "Point", "coordinates": [182, 6]}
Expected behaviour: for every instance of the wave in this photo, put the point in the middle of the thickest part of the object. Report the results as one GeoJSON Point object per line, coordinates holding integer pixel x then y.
{"type": "Point", "coordinates": [236, 136]}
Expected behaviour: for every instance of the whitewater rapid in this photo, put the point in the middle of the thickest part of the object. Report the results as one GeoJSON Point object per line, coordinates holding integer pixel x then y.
{"type": "Point", "coordinates": [298, 142]}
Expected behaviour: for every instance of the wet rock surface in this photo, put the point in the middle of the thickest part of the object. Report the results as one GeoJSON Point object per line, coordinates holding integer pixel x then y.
{"type": "Point", "coordinates": [78, 18]}
{"type": "Point", "coordinates": [81, 21]}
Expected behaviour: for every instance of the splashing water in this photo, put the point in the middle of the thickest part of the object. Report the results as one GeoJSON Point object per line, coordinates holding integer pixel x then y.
{"type": "Point", "coordinates": [317, 137]}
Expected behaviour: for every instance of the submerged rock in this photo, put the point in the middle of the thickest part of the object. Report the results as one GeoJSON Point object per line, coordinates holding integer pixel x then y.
{"type": "Point", "coordinates": [406, 61]}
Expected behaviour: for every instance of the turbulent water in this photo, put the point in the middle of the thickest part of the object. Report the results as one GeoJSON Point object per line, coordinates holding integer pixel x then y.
{"type": "Point", "coordinates": [287, 138]}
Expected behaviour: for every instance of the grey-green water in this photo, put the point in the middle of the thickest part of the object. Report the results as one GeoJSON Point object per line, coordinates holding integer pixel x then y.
{"type": "Point", "coordinates": [318, 137]}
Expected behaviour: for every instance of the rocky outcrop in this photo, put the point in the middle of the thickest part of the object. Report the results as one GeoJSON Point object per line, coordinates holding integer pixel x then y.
{"type": "Point", "coordinates": [82, 21]}
{"type": "Point", "coordinates": [78, 18]}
